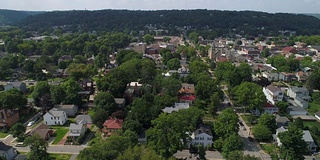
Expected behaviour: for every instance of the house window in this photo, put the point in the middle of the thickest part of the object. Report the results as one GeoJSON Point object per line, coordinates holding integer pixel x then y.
{"type": "Point", "coordinates": [209, 138]}
{"type": "Point", "coordinates": [54, 118]}
{"type": "Point", "coordinates": [58, 118]}
{"type": "Point", "coordinates": [201, 138]}
{"type": "Point", "coordinates": [51, 118]}
{"type": "Point", "coordinates": [55, 122]}
{"type": "Point", "coordinates": [197, 138]}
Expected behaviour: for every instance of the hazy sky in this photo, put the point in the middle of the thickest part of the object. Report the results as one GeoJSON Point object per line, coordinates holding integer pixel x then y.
{"type": "Point", "coordinates": [290, 6]}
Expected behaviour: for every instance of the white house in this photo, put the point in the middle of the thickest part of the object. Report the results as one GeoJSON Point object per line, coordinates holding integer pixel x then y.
{"type": "Point", "coordinates": [176, 107]}
{"type": "Point", "coordinates": [21, 86]}
{"type": "Point", "coordinates": [273, 94]}
{"type": "Point", "coordinates": [271, 109]}
{"type": "Point", "coordinates": [77, 129]}
{"type": "Point", "coordinates": [300, 95]}
{"type": "Point", "coordinates": [55, 117]}
{"type": "Point", "coordinates": [271, 76]}
{"type": "Point", "coordinates": [306, 137]}
{"type": "Point", "coordinates": [202, 136]}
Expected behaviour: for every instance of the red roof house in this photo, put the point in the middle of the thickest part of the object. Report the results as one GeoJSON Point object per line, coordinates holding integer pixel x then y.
{"type": "Point", "coordinates": [111, 125]}
{"type": "Point", "coordinates": [187, 99]}
{"type": "Point", "coordinates": [287, 50]}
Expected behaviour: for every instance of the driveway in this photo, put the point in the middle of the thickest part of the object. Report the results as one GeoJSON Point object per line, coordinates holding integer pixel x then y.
{"type": "Point", "coordinates": [57, 149]}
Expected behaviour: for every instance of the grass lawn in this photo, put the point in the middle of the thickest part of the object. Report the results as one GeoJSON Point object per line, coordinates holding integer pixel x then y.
{"type": "Point", "coordinates": [60, 132]}
{"type": "Point", "coordinates": [90, 112]}
{"type": "Point", "coordinates": [313, 108]}
{"type": "Point", "coordinates": [3, 135]}
{"type": "Point", "coordinates": [72, 120]}
{"type": "Point", "coordinates": [96, 138]}
{"type": "Point", "coordinates": [311, 124]}
{"type": "Point", "coordinates": [57, 156]}
{"type": "Point", "coordinates": [270, 148]}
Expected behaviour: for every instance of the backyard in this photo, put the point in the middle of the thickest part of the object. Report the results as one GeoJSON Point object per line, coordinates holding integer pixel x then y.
{"type": "Point", "coordinates": [313, 108]}
{"type": "Point", "coordinates": [60, 132]}
{"type": "Point", "coordinates": [3, 135]}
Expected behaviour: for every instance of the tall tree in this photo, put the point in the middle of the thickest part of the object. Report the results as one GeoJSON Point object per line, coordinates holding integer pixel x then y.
{"type": "Point", "coordinates": [105, 100]}
{"type": "Point", "coordinates": [250, 96]}
{"type": "Point", "coordinates": [38, 147]}
{"type": "Point", "coordinates": [12, 99]}
{"type": "Point", "coordinates": [231, 143]}
{"type": "Point", "coordinates": [261, 132]}
{"type": "Point", "coordinates": [269, 121]}
{"type": "Point", "coordinates": [293, 147]}
{"type": "Point", "coordinates": [40, 89]}
{"type": "Point", "coordinates": [71, 88]}
{"type": "Point", "coordinates": [169, 131]}
{"type": "Point", "coordinates": [227, 123]}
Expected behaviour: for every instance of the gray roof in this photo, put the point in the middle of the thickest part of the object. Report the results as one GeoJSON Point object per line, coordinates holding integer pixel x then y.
{"type": "Point", "coordinates": [85, 117]}
{"type": "Point", "coordinates": [119, 100]}
{"type": "Point", "coordinates": [74, 126]}
{"type": "Point", "coordinates": [295, 108]}
{"type": "Point", "coordinates": [4, 147]}
{"type": "Point", "coordinates": [56, 113]}
{"type": "Point", "coordinates": [282, 119]}
{"type": "Point", "coordinates": [299, 89]}
{"type": "Point", "coordinates": [281, 129]}
{"type": "Point", "coordinates": [176, 108]}
{"type": "Point", "coordinates": [15, 84]}
{"type": "Point", "coordinates": [307, 136]}
{"type": "Point", "coordinates": [21, 157]}
{"type": "Point", "coordinates": [273, 89]}
{"type": "Point", "coordinates": [65, 106]}
{"type": "Point", "coordinates": [203, 129]}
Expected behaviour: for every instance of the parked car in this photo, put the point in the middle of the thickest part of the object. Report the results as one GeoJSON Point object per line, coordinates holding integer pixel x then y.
{"type": "Point", "coordinates": [241, 124]}
{"type": "Point", "coordinates": [30, 123]}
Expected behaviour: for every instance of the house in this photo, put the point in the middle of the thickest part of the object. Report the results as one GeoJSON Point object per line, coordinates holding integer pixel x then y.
{"type": "Point", "coordinates": [183, 71]}
{"type": "Point", "coordinates": [288, 50]}
{"type": "Point", "coordinates": [300, 96]}
{"type": "Point", "coordinates": [306, 137]}
{"type": "Point", "coordinates": [301, 92]}
{"type": "Point", "coordinates": [287, 77]}
{"type": "Point", "coordinates": [64, 58]}
{"type": "Point", "coordinates": [121, 102]}
{"type": "Point", "coordinates": [282, 121]}
{"type": "Point", "coordinates": [295, 110]}
{"type": "Point", "coordinates": [273, 94]}
{"type": "Point", "coordinates": [21, 86]}
{"type": "Point", "coordinates": [187, 99]}
{"type": "Point", "coordinates": [271, 109]}
{"type": "Point", "coordinates": [317, 115]}
{"type": "Point", "coordinates": [77, 129]}
{"type": "Point", "coordinates": [43, 131]}
{"type": "Point", "coordinates": [8, 117]}
{"type": "Point", "coordinates": [138, 47]}
{"type": "Point", "coordinates": [7, 152]}
{"type": "Point", "coordinates": [176, 107]}
{"type": "Point", "coordinates": [271, 76]}
{"type": "Point", "coordinates": [111, 125]}
{"type": "Point", "coordinates": [70, 109]}
{"type": "Point", "coordinates": [85, 117]}
{"type": "Point", "coordinates": [55, 117]}
{"type": "Point", "coordinates": [202, 136]}
{"type": "Point", "coordinates": [133, 90]}
{"type": "Point", "coordinates": [187, 88]}
{"type": "Point", "coordinates": [302, 76]}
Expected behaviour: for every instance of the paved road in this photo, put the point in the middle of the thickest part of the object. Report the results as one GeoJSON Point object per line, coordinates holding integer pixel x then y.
{"type": "Point", "coordinates": [57, 149]}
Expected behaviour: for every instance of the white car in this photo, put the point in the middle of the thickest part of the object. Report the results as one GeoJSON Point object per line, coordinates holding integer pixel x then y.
{"type": "Point", "coordinates": [30, 123]}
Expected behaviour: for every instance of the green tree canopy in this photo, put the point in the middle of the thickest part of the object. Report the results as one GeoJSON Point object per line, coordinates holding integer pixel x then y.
{"type": "Point", "coordinates": [38, 147]}
{"type": "Point", "coordinates": [12, 99]}
{"type": "Point", "coordinates": [227, 123]}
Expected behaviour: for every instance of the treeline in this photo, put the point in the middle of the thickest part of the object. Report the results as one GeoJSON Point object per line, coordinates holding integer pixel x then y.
{"type": "Point", "coordinates": [10, 17]}
{"type": "Point", "coordinates": [224, 22]}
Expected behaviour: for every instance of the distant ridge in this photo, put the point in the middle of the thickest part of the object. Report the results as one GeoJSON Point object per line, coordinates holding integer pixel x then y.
{"type": "Point", "coordinates": [12, 17]}
{"type": "Point", "coordinates": [223, 22]}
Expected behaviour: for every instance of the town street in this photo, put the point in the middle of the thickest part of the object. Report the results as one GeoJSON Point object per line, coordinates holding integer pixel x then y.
{"type": "Point", "coordinates": [66, 149]}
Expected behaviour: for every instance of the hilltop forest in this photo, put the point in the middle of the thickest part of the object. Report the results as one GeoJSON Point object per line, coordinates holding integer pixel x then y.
{"type": "Point", "coordinates": [221, 22]}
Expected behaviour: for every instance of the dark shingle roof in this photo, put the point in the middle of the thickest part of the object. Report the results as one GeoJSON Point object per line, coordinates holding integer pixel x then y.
{"type": "Point", "coordinates": [4, 147]}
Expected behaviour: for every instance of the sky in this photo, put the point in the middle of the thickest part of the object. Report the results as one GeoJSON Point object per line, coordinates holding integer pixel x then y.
{"type": "Point", "coordinates": [271, 6]}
